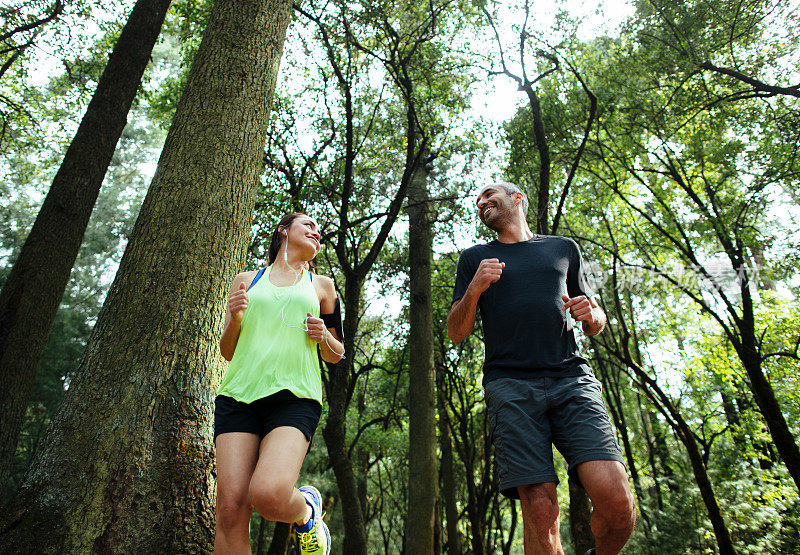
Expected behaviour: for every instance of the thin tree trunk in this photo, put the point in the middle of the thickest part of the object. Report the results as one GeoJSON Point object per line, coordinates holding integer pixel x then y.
{"type": "Point", "coordinates": [512, 528]}
{"type": "Point", "coordinates": [261, 536]}
{"type": "Point", "coordinates": [362, 455]}
{"type": "Point", "coordinates": [476, 511]}
{"type": "Point", "coordinates": [734, 422]}
{"type": "Point", "coordinates": [748, 351]}
{"type": "Point", "coordinates": [616, 407]}
{"type": "Point", "coordinates": [448, 475]}
{"type": "Point", "coordinates": [580, 515]}
{"type": "Point", "coordinates": [423, 474]}
{"type": "Point", "coordinates": [674, 418]}
{"type": "Point", "coordinates": [684, 434]}
{"type": "Point", "coordinates": [770, 409]}
{"type": "Point", "coordinates": [721, 532]}
{"type": "Point", "coordinates": [338, 385]}
{"type": "Point", "coordinates": [281, 534]}
{"type": "Point", "coordinates": [543, 193]}
{"type": "Point", "coordinates": [646, 417]}
{"type": "Point", "coordinates": [30, 297]}
{"type": "Point", "coordinates": [127, 465]}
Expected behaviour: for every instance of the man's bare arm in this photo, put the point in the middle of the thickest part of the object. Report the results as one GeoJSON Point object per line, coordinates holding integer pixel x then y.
{"type": "Point", "coordinates": [461, 319]}
{"type": "Point", "coordinates": [597, 325]}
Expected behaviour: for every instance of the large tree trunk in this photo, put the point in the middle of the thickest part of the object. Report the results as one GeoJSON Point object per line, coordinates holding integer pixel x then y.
{"type": "Point", "coordinates": [127, 465]}
{"type": "Point", "coordinates": [423, 475]}
{"type": "Point", "coordinates": [31, 295]}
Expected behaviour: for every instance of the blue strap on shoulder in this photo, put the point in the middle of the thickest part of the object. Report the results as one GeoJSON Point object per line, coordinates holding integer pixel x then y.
{"type": "Point", "coordinates": [255, 279]}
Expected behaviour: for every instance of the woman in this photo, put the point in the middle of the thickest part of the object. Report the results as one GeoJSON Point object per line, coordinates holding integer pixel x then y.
{"type": "Point", "coordinates": [270, 400]}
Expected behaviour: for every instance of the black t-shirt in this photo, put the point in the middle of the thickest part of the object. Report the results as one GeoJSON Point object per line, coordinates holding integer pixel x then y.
{"type": "Point", "coordinates": [527, 333]}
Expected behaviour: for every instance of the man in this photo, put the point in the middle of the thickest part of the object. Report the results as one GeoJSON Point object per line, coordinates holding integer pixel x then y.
{"type": "Point", "coordinates": [539, 390]}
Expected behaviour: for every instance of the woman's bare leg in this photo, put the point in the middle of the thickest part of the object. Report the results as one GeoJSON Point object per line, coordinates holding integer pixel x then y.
{"type": "Point", "coordinates": [237, 454]}
{"type": "Point", "coordinates": [272, 487]}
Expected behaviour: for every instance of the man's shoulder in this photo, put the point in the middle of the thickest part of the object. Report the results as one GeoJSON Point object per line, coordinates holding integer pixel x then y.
{"type": "Point", "coordinates": [476, 251]}
{"type": "Point", "coordinates": [560, 242]}
{"type": "Point", "coordinates": [558, 239]}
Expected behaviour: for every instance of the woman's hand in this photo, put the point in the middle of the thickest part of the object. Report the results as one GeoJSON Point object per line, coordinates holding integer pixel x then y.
{"type": "Point", "coordinates": [237, 303]}
{"type": "Point", "coordinates": [315, 328]}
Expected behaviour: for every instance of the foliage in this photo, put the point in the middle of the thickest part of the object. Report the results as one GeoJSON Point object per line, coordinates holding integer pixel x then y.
{"type": "Point", "coordinates": [689, 178]}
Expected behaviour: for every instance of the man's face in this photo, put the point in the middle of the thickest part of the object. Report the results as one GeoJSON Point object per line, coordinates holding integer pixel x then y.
{"type": "Point", "coordinates": [495, 207]}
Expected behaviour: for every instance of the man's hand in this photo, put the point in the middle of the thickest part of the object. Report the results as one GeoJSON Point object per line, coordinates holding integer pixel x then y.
{"type": "Point", "coordinates": [489, 271]}
{"type": "Point", "coordinates": [586, 311]}
{"type": "Point", "coordinates": [237, 303]}
{"type": "Point", "coordinates": [579, 307]}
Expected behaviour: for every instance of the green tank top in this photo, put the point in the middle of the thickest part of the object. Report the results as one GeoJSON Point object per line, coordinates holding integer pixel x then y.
{"type": "Point", "coordinates": [270, 355]}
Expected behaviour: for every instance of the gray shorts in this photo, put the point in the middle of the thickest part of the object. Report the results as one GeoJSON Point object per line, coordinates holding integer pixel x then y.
{"type": "Point", "coordinates": [528, 416]}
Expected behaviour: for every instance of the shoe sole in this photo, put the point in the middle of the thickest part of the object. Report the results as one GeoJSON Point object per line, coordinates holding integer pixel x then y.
{"type": "Point", "coordinates": [327, 535]}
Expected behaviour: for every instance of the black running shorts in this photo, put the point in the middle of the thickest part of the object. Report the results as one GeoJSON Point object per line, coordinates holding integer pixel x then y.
{"type": "Point", "coordinates": [528, 416]}
{"type": "Point", "coordinates": [264, 415]}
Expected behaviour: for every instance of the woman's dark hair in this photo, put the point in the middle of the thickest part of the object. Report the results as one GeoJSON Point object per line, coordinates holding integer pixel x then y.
{"type": "Point", "coordinates": [278, 236]}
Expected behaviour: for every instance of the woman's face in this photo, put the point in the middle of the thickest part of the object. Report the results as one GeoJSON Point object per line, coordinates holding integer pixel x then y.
{"type": "Point", "coordinates": [303, 233]}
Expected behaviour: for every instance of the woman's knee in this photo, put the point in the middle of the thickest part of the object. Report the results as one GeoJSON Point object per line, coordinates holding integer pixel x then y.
{"type": "Point", "coordinates": [270, 499]}
{"type": "Point", "coordinates": [233, 511]}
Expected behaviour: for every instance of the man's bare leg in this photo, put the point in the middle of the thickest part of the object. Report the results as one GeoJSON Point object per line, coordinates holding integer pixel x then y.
{"type": "Point", "coordinates": [613, 508]}
{"type": "Point", "coordinates": [540, 519]}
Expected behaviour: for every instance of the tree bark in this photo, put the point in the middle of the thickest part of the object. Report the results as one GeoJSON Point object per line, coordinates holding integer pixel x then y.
{"type": "Point", "coordinates": [261, 537]}
{"type": "Point", "coordinates": [423, 474]}
{"type": "Point", "coordinates": [438, 539]}
{"type": "Point", "coordinates": [127, 465]}
{"type": "Point", "coordinates": [31, 295]}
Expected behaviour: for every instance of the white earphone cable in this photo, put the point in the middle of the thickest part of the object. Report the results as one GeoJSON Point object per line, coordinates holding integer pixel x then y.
{"type": "Point", "coordinates": [297, 277]}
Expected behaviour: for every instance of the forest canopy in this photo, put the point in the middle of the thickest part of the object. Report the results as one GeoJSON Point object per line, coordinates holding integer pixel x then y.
{"type": "Point", "coordinates": [148, 150]}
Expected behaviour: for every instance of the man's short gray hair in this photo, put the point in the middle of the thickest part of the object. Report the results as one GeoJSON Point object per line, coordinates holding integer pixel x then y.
{"type": "Point", "coordinates": [510, 188]}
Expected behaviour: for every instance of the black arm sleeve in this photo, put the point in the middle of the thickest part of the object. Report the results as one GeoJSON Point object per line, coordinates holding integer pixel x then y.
{"type": "Point", "coordinates": [334, 320]}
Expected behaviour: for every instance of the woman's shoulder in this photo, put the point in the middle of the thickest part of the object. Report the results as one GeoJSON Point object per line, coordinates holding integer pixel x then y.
{"type": "Point", "coordinates": [244, 277]}
{"type": "Point", "coordinates": [324, 283]}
